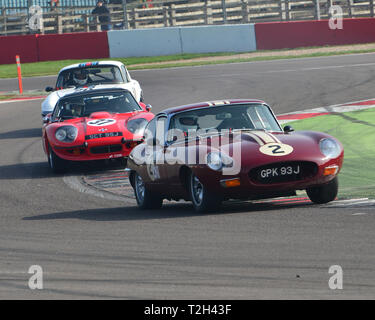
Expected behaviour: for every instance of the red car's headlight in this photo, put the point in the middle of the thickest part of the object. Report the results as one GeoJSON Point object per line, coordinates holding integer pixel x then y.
{"type": "Point", "coordinates": [66, 134]}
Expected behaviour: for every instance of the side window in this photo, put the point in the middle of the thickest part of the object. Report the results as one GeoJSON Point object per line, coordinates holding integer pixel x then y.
{"type": "Point", "coordinates": [125, 74]}
{"type": "Point", "coordinates": [60, 81]}
{"type": "Point", "coordinates": [117, 76]}
{"type": "Point", "coordinates": [56, 111]}
{"type": "Point", "coordinates": [161, 122]}
{"type": "Point", "coordinates": [155, 130]}
{"type": "Point", "coordinates": [150, 131]}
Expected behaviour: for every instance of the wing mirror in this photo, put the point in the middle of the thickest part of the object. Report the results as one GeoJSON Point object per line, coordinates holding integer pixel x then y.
{"type": "Point", "coordinates": [47, 118]}
{"type": "Point", "coordinates": [49, 89]}
{"type": "Point", "coordinates": [148, 107]}
{"type": "Point", "coordinates": [288, 129]}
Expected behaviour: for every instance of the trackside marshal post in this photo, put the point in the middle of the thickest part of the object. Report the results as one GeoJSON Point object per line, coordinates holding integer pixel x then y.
{"type": "Point", "coordinates": [19, 73]}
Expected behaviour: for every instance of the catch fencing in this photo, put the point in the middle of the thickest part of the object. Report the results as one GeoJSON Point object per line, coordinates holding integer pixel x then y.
{"type": "Point", "coordinates": [75, 15]}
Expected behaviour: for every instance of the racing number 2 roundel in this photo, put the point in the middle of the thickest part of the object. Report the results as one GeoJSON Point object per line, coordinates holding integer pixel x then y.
{"type": "Point", "coordinates": [276, 149]}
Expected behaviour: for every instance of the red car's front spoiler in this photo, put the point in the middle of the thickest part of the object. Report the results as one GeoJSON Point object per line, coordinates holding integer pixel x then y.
{"type": "Point", "coordinates": [111, 149]}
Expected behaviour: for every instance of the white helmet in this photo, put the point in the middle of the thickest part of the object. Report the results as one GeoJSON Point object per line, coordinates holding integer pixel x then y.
{"type": "Point", "coordinates": [80, 77]}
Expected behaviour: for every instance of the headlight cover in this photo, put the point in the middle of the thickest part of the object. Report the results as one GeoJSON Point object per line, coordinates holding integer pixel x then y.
{"type": "Point", "coordinates": [217, 161]}
{"type": "Point", "coordinates": [66, 134]}
{"type": "Point", "coordinates": [137, 126]}
{"type": "Point", "coordinates": [330, 148]}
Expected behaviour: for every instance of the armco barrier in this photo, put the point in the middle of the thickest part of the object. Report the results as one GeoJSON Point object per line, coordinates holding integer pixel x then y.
{"type": "Point", "coordinates": [144, 42]}
{"type": "Point", "coordinates": [227, 38]}
{"type": "Point", "coordinates": [90, 45]}
{"type": "Point", "coordinates": [166, 41]}
{"type": "Point", "coordinates": [25, 46]}
{"type": "Point", "coordinates": [281, 35]}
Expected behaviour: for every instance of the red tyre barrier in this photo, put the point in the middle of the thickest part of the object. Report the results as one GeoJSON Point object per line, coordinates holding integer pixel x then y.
{"type": "Point", "coordinates": [281, 35]}
{"type": "Point", "coordinates": [24, 46]}
{"type": "Point", "coordinates": [90, 45]}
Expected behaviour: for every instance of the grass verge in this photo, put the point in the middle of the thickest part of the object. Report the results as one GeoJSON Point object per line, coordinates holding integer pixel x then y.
{"type": "Point", "coordinates": [7, 97]}
{"type": "Point", "coordinates": [53, 67]}
{"type": "Point", "coordinates": [356, 131]}
{"type": "Point", "coordinates": [137, 63]}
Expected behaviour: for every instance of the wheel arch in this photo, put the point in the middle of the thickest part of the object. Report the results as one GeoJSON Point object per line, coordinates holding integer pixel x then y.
{"type": "Point", "coordinates": [131, 177]}
{"type": "Point", "coordinates": [185, 171]}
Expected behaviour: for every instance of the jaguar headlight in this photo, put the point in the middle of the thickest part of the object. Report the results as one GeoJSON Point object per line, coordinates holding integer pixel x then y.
{"type": "Point", "coordinates": [66, 134]}
{"type": "Point", "coordinates": [137, 126]}
{"type": "Point", "coordinates": [216, 161]}
{"type": "Point", "coordinates": [330, 148]}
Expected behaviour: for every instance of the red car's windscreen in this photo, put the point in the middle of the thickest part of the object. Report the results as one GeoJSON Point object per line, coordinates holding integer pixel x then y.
{"type": "Point", "coordinates": [83, 105]}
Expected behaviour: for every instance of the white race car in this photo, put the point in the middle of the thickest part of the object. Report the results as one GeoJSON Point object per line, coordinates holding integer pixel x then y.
{"type": "Point", "coordinates": [83, 75]}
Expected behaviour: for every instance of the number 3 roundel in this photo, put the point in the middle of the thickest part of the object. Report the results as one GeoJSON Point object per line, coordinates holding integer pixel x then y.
{"type": "Point", "coordinates": [276, 149]}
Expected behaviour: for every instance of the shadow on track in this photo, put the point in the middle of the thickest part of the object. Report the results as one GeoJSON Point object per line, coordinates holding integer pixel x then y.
{"type": "Point", "coordinates": [34, 170]}
{"type": "Point", "coordinates": [169, 211]}
{"type": "Point", "coordinates": [22, 134]}
{"type": "Point", "coordinates": [40, 170]}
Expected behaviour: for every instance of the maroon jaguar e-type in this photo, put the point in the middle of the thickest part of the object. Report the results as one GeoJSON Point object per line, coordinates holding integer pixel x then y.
{"type": "Point", "coordinates": [236, 149]}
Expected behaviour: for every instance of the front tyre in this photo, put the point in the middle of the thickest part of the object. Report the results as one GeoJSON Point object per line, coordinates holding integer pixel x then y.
{"type": "Point", "coordinates": [145, 198]}
{"type": "Point", "coordinates": [324, 193]}
{"type": "Point", "coordinates": [56, 164]}
{"type": "Point", "coordinates": [203, 200]}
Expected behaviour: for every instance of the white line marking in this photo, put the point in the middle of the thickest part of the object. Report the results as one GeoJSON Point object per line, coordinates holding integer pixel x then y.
{"type": "Point", "coordinates": [351, 203]}
{"type": "Point", "coordinates": [76, 184]}
{"type": "Point", "coordinates": [351, 200]}
{"type": "Point", "coordinates": [21, 100]}
{"type": "Point", "coordinates": [336, 108]}
{"type": "Point", "coordinates": [321, 68]}
{"type": "Point", "coordinates": [254, 62]}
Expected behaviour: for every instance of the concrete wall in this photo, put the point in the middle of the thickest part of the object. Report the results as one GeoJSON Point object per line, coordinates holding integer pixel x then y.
{"type": "Point", "coordinates": [166, 41]}
{"type": "Point", "coordinates": [144, 42]}
{"type": "Point", "coordinates": [228, 38]}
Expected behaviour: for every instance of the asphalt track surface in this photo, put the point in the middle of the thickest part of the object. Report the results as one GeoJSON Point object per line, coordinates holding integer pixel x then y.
{"type": "Point", "coordinates": [97, 248]}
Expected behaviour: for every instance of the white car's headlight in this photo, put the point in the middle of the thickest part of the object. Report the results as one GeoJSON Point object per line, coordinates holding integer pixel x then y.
{"type": "Point", "coordinates": [216, 161]}
{"type": "Point", "coordinates": [330, 148]}
{"type": "Point", "coordinates": [66, 134]}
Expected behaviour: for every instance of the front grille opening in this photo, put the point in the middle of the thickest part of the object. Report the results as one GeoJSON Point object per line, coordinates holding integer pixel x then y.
{"type": "Point", "coordinates": [106, 149]}
{"type": "Point", "coordinates": [283, 172]}
{"type": "Point", "coordinates": [76, 151]}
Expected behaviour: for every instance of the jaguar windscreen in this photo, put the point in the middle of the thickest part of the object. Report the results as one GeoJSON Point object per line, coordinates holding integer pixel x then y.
{"type": "Point", "coordinates": [241, 117]}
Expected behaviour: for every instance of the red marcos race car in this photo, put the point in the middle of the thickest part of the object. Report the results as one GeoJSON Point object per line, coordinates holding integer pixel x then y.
{"type": "Point", "coordinates": [214, 151]}
{"type": "Point", "coordinates": [94, 123]}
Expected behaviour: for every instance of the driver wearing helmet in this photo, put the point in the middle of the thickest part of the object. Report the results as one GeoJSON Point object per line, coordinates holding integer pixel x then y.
{"type": "Point", "coordinates": [77, 109]}
{"type": "Point", "coordinates": [80, 77]}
